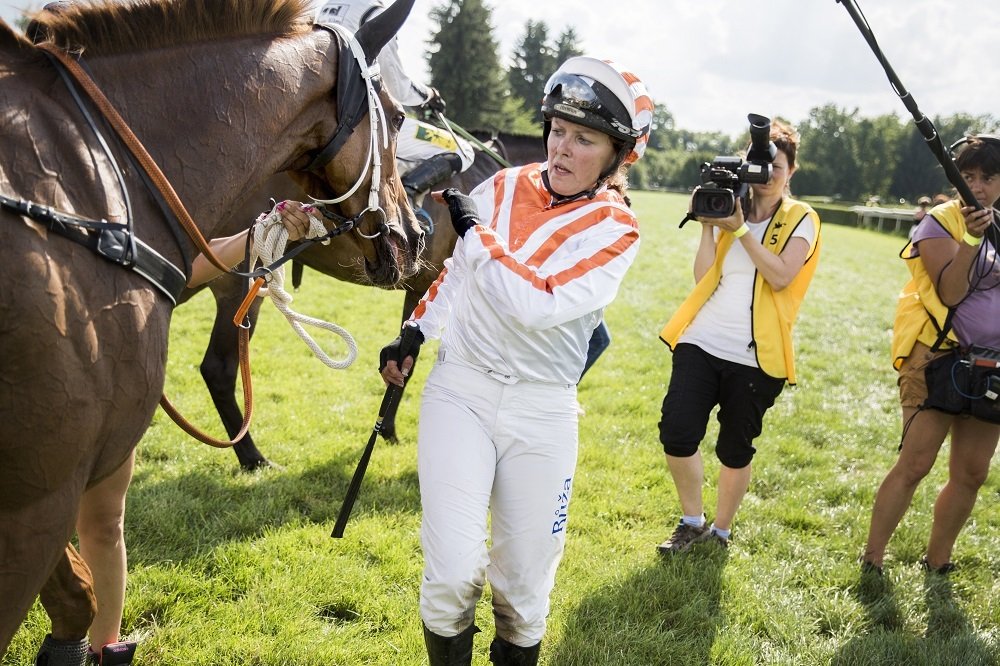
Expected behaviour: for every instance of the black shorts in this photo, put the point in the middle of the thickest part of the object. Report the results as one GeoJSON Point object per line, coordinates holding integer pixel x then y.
{"type": "Point", "coordinates": [699, 382]}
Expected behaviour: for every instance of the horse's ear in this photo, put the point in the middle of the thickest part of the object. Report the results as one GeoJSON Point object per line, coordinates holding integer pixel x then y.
{"type": "Point", "coordinates": [377, 32]}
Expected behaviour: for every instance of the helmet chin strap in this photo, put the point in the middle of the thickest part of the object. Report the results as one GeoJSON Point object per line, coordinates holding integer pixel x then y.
{"type": "Point", "coordinates": [559, 199]}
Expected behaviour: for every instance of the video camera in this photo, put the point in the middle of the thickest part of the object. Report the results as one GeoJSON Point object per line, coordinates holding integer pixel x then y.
{"type": "Point", "coordinates": [727, 179]}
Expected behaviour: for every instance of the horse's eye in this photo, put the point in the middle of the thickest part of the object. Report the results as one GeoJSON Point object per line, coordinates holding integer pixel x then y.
{"type": "Point", "coordinates": [397, 120]}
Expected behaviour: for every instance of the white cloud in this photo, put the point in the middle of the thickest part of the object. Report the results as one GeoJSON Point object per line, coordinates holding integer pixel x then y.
{"type": "Point", "coordinates": [713, 61]}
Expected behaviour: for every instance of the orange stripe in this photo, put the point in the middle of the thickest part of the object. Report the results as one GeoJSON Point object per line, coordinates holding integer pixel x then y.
{"type": "Point", "coordinates": [579, 269]}
{"type": "Point", "coordinates": [418, 311]}
{"type": "Point", "coordinates": [530, 202]}
{"type": "Point", "coordinates": [499, 186]}
{"type": "Point", "coordinates": [584, 222]}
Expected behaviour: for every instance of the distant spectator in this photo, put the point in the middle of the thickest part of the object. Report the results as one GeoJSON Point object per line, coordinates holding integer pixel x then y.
{"type": "Point", "coordinates": [923, 205]}
{"type": "Point", "coordinates": [941, 198]}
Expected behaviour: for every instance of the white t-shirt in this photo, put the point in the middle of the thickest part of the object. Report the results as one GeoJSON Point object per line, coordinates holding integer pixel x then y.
{"type": "Point", "coordinates": [723, 326]}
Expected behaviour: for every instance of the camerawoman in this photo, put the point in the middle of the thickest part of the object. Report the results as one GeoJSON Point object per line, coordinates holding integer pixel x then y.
{"type": "Point", "coordinates": [731, 338]}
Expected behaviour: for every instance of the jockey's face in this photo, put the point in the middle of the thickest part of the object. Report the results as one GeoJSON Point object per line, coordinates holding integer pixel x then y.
{"type": "Point", "coordinates": [577, 156]}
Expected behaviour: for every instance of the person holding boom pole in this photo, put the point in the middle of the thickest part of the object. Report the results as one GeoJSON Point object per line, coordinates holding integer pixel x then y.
{"type": "Point", "coordinates": [952, 300]}
{"type": "Point", "coordinates": [542, 251]}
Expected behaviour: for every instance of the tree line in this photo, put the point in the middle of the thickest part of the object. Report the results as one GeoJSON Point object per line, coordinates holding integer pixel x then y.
{"type": "Point", "coordinates": [843, 155]}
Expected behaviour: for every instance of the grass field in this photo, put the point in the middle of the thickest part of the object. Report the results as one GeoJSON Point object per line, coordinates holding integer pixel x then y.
{"type": "Point", "coordinates": [234, 569]}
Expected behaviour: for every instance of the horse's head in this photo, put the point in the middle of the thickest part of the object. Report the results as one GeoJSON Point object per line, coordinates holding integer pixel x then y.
{"type": "Point", "coordinates": [356, 171]}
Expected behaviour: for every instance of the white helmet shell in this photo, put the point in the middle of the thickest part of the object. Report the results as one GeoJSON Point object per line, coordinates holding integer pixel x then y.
{"type": "Point", "coordinates": [625, 86]}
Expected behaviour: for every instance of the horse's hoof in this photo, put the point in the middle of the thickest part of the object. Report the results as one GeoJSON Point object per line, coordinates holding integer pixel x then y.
{"type": "Point", "coordinates": [62, 653]}
{"type": "Point", "coordinates": [261, 463]}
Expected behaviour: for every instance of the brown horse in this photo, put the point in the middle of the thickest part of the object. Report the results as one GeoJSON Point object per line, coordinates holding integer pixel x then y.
{"type": "Point", "coordinates": [342, 261]}
{"type": "Point", "coordinates": [222, 94]}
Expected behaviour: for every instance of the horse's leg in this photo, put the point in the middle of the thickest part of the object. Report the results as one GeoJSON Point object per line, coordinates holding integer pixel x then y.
{"type": "Point", "coordinates": [68, 597]}
{"type": "Point", "coordinates": [221, 364]}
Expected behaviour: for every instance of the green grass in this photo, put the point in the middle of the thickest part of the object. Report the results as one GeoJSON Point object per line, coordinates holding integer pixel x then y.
{"type": "Point", "coordinates": [228, 568]}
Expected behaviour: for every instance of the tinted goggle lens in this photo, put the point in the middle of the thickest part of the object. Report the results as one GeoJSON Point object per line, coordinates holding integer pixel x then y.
{"type": "Point", "coordinates": [575, 91]}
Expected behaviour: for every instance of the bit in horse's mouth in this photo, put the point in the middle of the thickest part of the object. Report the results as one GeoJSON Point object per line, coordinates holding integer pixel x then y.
{"type": "Point", "coordinates": [390, 261]}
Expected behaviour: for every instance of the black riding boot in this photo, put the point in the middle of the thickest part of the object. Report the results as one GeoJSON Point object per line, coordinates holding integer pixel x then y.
{"type": "Point", "coordinates": [431, 172]}
{"type": "Point", "coordinates": [62, 653]}
{"type": "Point", "coordinates": [453, 651]}
{"type": "Point", "coordinates": [503, 653]}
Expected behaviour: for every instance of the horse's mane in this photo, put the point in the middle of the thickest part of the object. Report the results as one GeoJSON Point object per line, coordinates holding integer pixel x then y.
{"type": "Point", "coordinates": [103, 27]}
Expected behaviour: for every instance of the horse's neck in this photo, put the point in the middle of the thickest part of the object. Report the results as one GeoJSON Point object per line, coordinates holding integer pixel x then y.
{"type": "Point", "coordinates": [216, 118]}
{"type": "Point", "coordinates": [192, 115]}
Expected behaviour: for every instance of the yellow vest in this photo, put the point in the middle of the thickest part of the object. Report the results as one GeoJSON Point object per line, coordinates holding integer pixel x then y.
{"type": "Point", "coordinates": [920, 314]}
{"type": "Point", "coordinates": [773, 312]}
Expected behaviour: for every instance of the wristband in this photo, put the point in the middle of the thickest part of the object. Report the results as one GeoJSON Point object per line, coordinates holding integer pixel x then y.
{"type": "Point", "coordinates": [741, 230]}
{"type": "Point", "coordinates": [969, 239]}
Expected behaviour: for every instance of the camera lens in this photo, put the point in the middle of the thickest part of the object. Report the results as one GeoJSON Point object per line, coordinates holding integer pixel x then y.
{"type": "Point", "coordinates": [717, 203]}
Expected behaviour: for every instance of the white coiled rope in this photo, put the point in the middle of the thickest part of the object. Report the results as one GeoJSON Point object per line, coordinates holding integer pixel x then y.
{"type": "Point", "coordinates": [269, 240]}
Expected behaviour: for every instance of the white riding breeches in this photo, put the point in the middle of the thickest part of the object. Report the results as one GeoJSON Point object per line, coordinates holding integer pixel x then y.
{"type": "Point", "coordinates": [418, 141]}
{"type": "Point", "coordinates": [492, 444]}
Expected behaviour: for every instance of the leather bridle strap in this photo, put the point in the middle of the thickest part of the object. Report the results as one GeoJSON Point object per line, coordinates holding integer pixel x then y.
{"type": "Point", "coordinates": [109, 240]}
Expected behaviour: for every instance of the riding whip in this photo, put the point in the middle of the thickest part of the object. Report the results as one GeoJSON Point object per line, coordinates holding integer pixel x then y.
{"type": "Point", "coordinates": [923, 123]}
{"type": "Point", "coordinates": [390, 401]}
{"type": "Point", "coordinates": [454, 127]}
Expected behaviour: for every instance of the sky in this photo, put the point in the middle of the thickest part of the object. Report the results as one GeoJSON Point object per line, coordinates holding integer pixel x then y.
{"type": "Point", "coordinates": [710, 62]}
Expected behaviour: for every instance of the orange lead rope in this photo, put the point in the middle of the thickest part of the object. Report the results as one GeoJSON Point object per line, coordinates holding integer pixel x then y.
{"type": "Point", "coordinates": [241, 312]}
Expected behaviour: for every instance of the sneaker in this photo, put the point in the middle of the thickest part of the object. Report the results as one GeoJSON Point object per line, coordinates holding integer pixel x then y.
{"type": "Point", "coordinates": [682, 538]}
{"type": "Point", "coordinates": [870, 568]}
{"type": "Point", "coordinates": [112, 654]}
{"type": "Point", "coordinates": [712, 538]}
{"type": "Point", "coordinates": [942, 570]}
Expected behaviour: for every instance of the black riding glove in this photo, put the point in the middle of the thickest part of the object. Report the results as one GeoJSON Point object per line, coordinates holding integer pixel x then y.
{"type": "Point", "coordinates": [464, 214]}
{"type": "Point", "coordinates": [434, 103]}
{"type": "Point", "coordinates": [393, 351]}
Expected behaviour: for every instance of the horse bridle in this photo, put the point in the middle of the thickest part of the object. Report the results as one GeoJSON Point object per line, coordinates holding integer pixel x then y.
{"type": "Point", "coordinates": [353, 105]}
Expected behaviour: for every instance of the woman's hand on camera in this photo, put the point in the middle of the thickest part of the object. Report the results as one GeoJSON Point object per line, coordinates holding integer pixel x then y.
{"type": "Point", "coordinates": [731, 223]}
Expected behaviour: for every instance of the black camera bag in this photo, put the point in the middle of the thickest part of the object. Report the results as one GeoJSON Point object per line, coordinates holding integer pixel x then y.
{"type": "Point", "coordinates": [965, 382]}
{"type": "Point", "coordinates": [946, 376]}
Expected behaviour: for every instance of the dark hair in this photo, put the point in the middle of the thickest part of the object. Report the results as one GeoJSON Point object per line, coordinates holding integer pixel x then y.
{"type": "Point", "coordinates": [980, 153]}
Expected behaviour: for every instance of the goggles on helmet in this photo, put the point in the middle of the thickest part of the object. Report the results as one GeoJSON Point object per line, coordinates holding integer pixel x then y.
{"type": "Point", "coordinates": [572, 97]}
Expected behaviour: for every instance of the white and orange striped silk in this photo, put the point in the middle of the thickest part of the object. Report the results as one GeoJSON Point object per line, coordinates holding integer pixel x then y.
{"type": "Point", "coordinates": [522, 293]}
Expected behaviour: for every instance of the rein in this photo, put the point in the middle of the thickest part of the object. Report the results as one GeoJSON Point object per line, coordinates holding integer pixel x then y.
{"type": "Point", "coordinates": [161, 183]}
